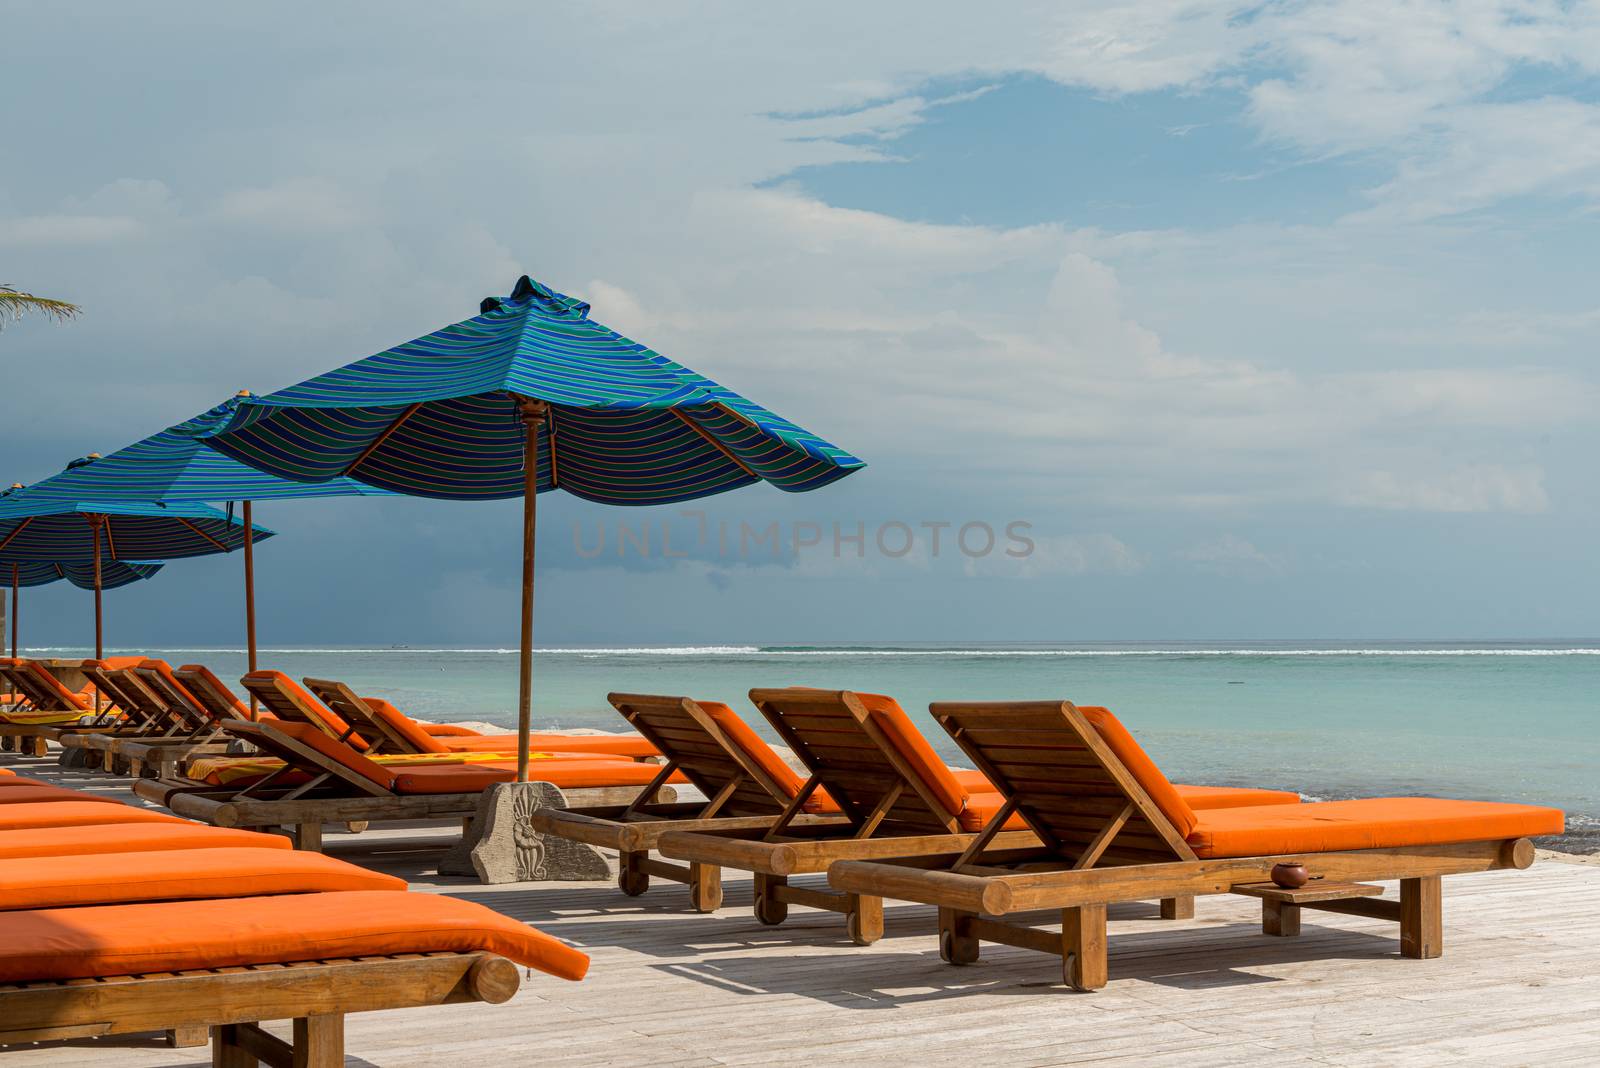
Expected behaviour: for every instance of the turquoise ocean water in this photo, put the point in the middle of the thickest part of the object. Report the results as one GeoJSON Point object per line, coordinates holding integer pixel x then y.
{"type": "Point", "coordinates": [1495, 721]}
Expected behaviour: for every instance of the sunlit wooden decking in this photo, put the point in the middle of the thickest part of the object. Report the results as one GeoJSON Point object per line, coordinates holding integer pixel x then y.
{"type": "Point", "coordinates": [1517, 985]}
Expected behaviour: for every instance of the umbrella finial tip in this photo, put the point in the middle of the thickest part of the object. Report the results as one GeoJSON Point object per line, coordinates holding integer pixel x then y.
{"type": "Point", "coordinates": [523, 289]}
{"type": "Point", "coordinates": [242, 393]}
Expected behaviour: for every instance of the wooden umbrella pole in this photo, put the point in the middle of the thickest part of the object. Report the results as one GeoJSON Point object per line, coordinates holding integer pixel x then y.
{"type": "Point", "coordinates": [14, 582]}
{"type": "Point", "coordinates": [99, 642]}
{"type": "Point", "coordinates": [533, 417]}
{"type": "Point", "coordinates": [250, 597]}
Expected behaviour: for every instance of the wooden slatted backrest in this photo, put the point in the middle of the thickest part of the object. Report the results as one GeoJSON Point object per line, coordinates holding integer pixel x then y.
{"type": "Point", "coordinates": [128, 694]}
{"type": "Point", "coordinates": [310, 750]}
{"type": "Point", "coordinates": [211, 694]}
{"type": "Point", "coordinates": [156, 677]}
{"type": "Point", "coordinates": [1066, 782]}
{"type": "Point", "coordinates": [835, 736]}
{"type": "Point", "coordinates": [355, 711]}
{"type": "Point", "coordinates": [43, 690]}
{"type": "Point", "coordinates": [706, 754]}
{"type": "Point", "coordinates": [288, 701]}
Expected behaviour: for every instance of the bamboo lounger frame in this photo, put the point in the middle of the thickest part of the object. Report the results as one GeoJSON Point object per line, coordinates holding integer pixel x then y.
{"type": "Point", "coordinates": [1106, 841]}
{"type": "Point", "coordinates": [740, 795]}
{"type": "Point", "coordinates": [886, 806]}
{"type": "Point", "coordinates": [232, 1002]}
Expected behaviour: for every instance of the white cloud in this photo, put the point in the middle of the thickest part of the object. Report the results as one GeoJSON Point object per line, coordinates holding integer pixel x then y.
{"type": "Point", "coordinates": [1230, 554]}
{"type": "Point", "coordinates": [1072, 554]}
{"type": "Point", "coordinates": [37, 230]}
{"type": "Point", "coordinates": [1482, 488]}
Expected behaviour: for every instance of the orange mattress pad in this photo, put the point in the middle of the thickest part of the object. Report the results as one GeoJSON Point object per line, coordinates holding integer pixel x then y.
{"type": "Point", "coordinates": [75, 814]}
{"type": "Point", "coordinates": [170, 936]}
{"type": "Point", "coordinates": [97, 838]}
{"type": "Point", "coordinates": [120, 878]}
{"type": "Point", "coordinates": [1368, 823]}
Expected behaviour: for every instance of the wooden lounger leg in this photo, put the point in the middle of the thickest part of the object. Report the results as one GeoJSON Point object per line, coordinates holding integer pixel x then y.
{"type": "Point", "coordinates": [1083, 947]}
{"type": "Point", "coordinates": [1178, 908]}
{"type": "Point", "coordinates": [632, 879]}
{"type": "Point", "coordinates": [864, 920]}
{"type": "Point", "coordinates": [1281, 918]}
{"type": "Point", "coordinates": [318, 1043]}
{"type": "Point", "coordinates": [705, 887]}
{"type": "Point", "coordinates": [229, 1046]}
{"type": "Point", "coordinates": [770, 910]}
{"type": "Point", "coordinates": [1421, 918]}
{"type": "Point", "coordinates": [957, 944]}
{"type": "Point", "coordinates": [308, 836]}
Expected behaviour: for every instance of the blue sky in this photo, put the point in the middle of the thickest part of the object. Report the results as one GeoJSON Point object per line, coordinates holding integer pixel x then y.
{"type": "Point", "coordinates": [1272, 320]}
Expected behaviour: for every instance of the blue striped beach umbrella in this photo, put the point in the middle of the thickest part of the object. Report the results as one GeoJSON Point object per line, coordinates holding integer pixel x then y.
{"type": "Point", "coordinates": [529, 395]}
{"type": "Point", "coordinates": [39, 529]}
{"type": "Point", "coordinates": [34, 573]}
{"type": "Point", "coordinates": [176, 465]}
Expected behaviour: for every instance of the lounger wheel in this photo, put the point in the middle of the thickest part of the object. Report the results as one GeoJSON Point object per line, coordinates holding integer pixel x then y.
{"type": "Point", "coordinates": [705, 899]}
{"type": "Point", "coordinates": [852, 926]}
{"type": "Point", "coordinates": [632, 882]}
{"type": "Point", "coordinates": [950, 954]}
{"type": "Point", "coordinates": [771, 911]}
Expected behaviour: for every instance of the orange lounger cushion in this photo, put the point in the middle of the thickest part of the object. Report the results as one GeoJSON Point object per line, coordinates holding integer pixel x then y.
{"type": "Point", "coordinates": [121, 878]}
{"type": "Point", "coordinates": [447, 730]}
{"type": "Point", "coordinates": [129, 838]}
{"type": "Point", "coordinates": [11, 778]}
{"type": "Point", "coordinates": [30, 795]}
{"type": "Point", "coordinates": [565, 774]}
{"type": "Point", "coordinates": [75, 814]}
{"type": "Point", "coordinates": [6, 772]}
{"type": "Point", "coordinates": [1138, 762]}
{"type": "Point", "coordinates": [632, 746]}
{"type": "Point", "coordinates": [1205, 798]}
{"type": "Point", "coordinates": [981, 807]}
{"type": "Point", "coordinates": [170, 936]}
{"type": "Point", "coordinates": [1368, 823]}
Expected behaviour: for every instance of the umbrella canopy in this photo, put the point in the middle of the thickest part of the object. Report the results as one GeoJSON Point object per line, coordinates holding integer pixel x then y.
{"type": "Point", "coordinates": [37, 529]}
{"type": "Point", "coordinates": [442, 416]}
{"type": "Point", "coordinates": [527, 396]}
{"type": "Point", "coordinates": [33, 573]}
{"type": "Point", "coordinates": [113, 574]}
{"type": "Point", "coordinates": [177, 465]}
{"type": "Point", "coordinates": [48, 531]}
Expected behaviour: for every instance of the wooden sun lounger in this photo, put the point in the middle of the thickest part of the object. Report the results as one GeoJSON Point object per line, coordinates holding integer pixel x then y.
{"type": "Point", "coordinates": [230, 1003]}
{"type": "Point", "coordinates": [740, 794]}
{"type": "Point", "coordinates": [149, 722]}
{"type": "Point", "coordinates": [331, 791]}
{"type": "Point", "coordinates": [322, 780]}
{"type": "Point", "coordinates": [887, 809]}
{"type": "Point", "coordinates": [388, 730]}
{"type": "Point", "coordinates": [1107, 833]}
{"type": "Point", "coordinates": [197, 733]}
{"type": "Point", "coordinates": [44, 693]}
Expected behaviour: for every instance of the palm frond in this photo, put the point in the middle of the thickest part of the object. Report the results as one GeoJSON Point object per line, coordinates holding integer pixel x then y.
{"type": "Point", "coordinates": [14, 304]}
